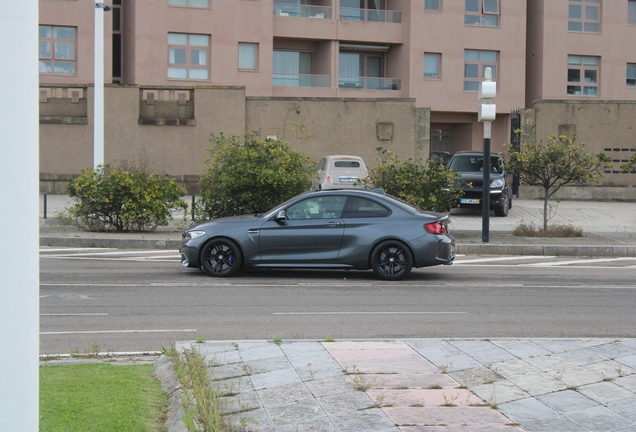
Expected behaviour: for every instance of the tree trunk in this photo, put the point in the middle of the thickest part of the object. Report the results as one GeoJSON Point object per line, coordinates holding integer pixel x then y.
{"type": "Point", "coordinates": [546, 197]}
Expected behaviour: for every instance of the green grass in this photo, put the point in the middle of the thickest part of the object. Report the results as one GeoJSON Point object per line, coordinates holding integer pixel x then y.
{"type": "Point", "coordinates": [101, 397]}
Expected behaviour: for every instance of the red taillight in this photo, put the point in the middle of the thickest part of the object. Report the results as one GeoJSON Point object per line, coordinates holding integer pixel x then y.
{"type": "Point", "coordinates": [435, 228]}
{"type": "Point", "coordinates": [328, 179]}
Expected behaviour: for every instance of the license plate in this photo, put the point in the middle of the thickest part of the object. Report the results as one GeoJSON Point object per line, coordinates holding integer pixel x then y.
{"type": "Point", "coordinates": [347, 179]}
{"type": "Point", "coordinates": [468, 201]}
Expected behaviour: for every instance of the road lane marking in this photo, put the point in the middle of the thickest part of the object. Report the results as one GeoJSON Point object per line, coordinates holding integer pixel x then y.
{"type": "Point", "coordinates": [507, 258]}
{"type": "Point", "coordinates": [368, 313]}
{"type": "Point", "coordinates": [116, 331]}
{"type": "Point", "coordinates": [580, 261]}
{"type": "Point", "coordinates": [73, 314]}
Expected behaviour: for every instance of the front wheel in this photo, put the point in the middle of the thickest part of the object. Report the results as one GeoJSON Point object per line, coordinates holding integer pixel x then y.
{"type": "Point", "coordinates": [391, 260]}
{"type": "Point", "coordinates": [221, 258]}
{"type": "Point", "coordinates": [503, 211]}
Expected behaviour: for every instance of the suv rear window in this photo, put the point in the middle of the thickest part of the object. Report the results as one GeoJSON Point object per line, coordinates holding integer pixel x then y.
{"type": "Point", "coordinates": [347, 164]}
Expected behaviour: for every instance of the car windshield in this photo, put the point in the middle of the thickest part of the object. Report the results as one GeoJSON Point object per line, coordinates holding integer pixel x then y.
{"type": "Point", "coordinates": [473, 163]}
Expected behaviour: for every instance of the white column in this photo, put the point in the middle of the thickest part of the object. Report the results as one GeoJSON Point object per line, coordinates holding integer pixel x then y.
{"type": "Point", "coordinates": [98, 111]}
{"type": "Point", "coordinates": [19, 222]}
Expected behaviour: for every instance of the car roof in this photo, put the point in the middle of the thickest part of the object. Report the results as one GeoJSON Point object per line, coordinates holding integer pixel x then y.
{"type": "Point", "coordinates": [474, 153]}
{"type": "Point", "coordinates": [332, 157]}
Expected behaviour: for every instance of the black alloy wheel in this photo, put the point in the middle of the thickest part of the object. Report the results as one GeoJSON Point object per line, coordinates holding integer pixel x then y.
{"type": "Point", "coordinates": [391, 260]}
{"type": "Point", "coordinates": [221, 258]}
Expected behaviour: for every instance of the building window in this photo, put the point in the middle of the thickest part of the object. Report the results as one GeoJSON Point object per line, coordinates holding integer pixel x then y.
{"type": "Point", "coordinates": [482, 13]}
{"type": "Point", "coordinates": [631, 11]}
{"type": "Point", "coordinates": [57, 50]}
{"type": "Point", "coordinates": [432, 5]}
{"type": "Point", "coordinates": [584, 16]}
{"type": "Point", "coordinates": [361, 70]}
{"type": "Point", "coordinates": [292, 68]}
{"type": "Point", "coordinates": [117, 41]}
{"type": "Point", "coordinates": [188, 56]}
{"type": "Point", "coordinates": [190, 3]}
{"type": "Point", "coordinates": [432, 65]}
{"type": "Point", "coordinates": [475, 64]}
{"type": "Point", "coordinates": [364, 10]}
{"type": "Point", "coordinates": [583, 74]}
{"type": "Point", "coordinates": [248, 55]}
{"type": "Point", "coordinates": [631, 74]}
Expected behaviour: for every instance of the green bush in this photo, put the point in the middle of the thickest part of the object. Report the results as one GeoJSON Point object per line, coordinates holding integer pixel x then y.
{"type": "Point", "coordinates": [130, 199]}
{"type": "Point", "coordinates": [251, 175]}
{"type": "Point", "coordinates": [424, 185]}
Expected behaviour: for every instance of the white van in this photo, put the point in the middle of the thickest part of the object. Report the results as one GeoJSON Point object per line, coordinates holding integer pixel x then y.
{"type": "Point", "coordinates": [340, 171]}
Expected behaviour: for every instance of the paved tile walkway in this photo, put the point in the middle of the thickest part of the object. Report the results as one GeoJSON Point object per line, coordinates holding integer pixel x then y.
{"type": "Point", "coordinates": [419, 385]}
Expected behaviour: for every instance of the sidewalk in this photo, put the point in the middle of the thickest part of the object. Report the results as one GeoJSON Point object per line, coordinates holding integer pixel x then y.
{"type": "Point", "coordinates": [609, 227]}
{"type": "Point", "coordinates": [422, 385]}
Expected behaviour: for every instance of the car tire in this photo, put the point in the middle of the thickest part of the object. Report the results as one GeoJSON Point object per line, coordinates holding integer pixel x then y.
{"type": "Point", "coordinates": [221, 258]}
{"type": "Point", "coordinates": [503, 211]}
{"type": "Point", "coordinates": [391, 260]}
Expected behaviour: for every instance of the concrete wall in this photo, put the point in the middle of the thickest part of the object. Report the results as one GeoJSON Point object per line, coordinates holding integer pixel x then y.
{"type": "Point", "coordinates": [170, 127]}
{"type": "Point", "coordinates": [340, 126]}
{"type": "Point", "coordinates": [603, 126]}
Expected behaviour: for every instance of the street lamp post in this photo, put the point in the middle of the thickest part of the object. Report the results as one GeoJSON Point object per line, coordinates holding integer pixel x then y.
{"type": "Point", "coordinates": [487, 113]}
{"type": "Point", "coordinates": [98, 111]}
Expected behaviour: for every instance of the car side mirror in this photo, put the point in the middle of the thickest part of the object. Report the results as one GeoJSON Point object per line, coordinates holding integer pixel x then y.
{"type": "Point", "coordinates": [281, 215]}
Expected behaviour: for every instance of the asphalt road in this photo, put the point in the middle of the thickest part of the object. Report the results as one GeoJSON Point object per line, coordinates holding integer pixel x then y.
{"type": "Point", "coordinates": [143, 300]}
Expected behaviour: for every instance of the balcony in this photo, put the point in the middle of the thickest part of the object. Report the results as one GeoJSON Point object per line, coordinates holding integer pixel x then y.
{"type": "Point", "coordinates": [370, 15]}
{"type": "Point", "coordinates": [301, 80]}
{"type": "Point", "coordinates": [302, 11]}
{"type": "Point", "coordinates": [369, 83]}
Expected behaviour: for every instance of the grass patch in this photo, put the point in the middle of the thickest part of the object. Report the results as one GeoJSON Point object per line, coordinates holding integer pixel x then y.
{"type": "Point", "coordinates": [525, 230]}
{"type": "Point", "coordinates": [101, 397]}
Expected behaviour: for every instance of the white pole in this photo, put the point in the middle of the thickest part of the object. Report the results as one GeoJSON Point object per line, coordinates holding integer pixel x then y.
{"type": "Point", "coordinates": [19, 223]}
{"type": "Point", "coordinates": [98, 111]}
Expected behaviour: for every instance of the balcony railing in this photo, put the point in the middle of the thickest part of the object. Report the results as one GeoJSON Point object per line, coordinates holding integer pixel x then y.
{"type": "Point", "coordinates": [303, 11]}
{"type": "Point", "coordinates": [301, 80]}
{"type": "Point", "coordinates": [368, 83]}
{"type": "Point", "coordinates": [374, 15]}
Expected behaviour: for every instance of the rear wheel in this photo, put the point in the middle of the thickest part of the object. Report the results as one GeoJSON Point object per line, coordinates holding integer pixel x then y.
{"type": "Point", "coordinates": [391, 260]}
{"type": "Point", "coordinates": [221, 258]}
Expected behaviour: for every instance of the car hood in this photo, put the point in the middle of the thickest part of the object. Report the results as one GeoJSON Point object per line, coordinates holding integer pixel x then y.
{"type": "Point", "coordinates": [477, 179]}
{"type": "Point", "coordinates": [220, 221]}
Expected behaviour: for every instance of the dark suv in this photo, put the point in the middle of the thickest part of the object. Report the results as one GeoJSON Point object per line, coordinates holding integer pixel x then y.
{"type": "Point", "coordinates": [469, 165]}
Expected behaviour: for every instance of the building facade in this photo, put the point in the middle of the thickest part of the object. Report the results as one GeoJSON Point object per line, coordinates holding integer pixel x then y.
{"type": "Point", "coordinates": [359, 74]}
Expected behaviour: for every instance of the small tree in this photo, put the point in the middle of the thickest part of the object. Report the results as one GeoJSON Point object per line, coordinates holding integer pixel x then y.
{"type": "Point", "coordinates": [629, 166]}
{"type": "Point", "coordinates": [554, 162]}
{"type": "Point", "coordinates": [251, 175]}
{"type": "Point", "coordinates": [123, 199]}
{"type": "Point", "coordinates": [425, 185]}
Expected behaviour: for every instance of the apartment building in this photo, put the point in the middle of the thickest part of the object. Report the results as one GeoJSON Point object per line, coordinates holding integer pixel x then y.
{"type": "Point", "coordinates": [360, 74]}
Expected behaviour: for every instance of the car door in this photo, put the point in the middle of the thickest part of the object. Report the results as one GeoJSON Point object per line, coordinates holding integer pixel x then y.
{"type": "Point", "coordinates": [311, 232]}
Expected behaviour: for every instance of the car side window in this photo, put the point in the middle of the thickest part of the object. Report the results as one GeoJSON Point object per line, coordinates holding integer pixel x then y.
{"type": "Point", "coordinates": [364, 208]}
{"type": "Point", "coordinates": [317, 208]}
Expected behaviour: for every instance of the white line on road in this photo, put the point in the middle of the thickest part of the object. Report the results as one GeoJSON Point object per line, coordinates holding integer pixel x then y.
{"type": "Point", "coordinates": [116, 252]}
{"type": "Point", "coordinates": [580, 261]}
{"type": "Point", "coordinates": [71, 249]}
{"type": "Point", "coordinates": [366, 313]}
{"type": "Point", "coordinates": [117, 331]}
{"type": "Point", "coordinates": [73, 314]}
{"type": "Point", "coordinates": [509, 258]}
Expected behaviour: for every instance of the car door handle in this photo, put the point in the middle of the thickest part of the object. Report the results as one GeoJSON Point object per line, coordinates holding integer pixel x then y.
{"type": "Point", "coordinates": [333, 224]}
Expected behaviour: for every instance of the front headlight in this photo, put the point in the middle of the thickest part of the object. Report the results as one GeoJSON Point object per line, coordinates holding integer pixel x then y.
{"type": "Point", "coordinates": [189, 235]}
{"type": "Point", "coordinates": [497, 184]}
